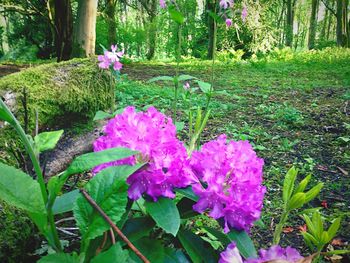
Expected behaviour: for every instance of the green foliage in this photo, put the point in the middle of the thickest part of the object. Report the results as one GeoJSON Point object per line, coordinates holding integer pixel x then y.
{"type": "Point", "coordinates": [166, 214]}
{"type": "Point", "coordinates": [47, 140]}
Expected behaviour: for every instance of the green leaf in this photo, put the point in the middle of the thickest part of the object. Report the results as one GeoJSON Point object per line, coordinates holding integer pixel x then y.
{"type": "Point", "coordinates": [179, 126]}
{"type": "Point", "coordinates": [136, 228]}
{"type": "Point", "coordinates": [161, 78]}
{"type": "Point", "coordinates": [214, 15]}
{"type": "Point", "coordinates": [224, 239]}
{"type": "Point", "coordinates": [244, 243]}
{"type": "Point", "coordinates": [317, 222]}
{"type": "Point", "coordinates": [90, 160]}
{"type": "Point", "coordinates": [205, 87]}
{"type": "Point", "coordinates": [333, 229]}
{"type": "Point", "coordinates": [196, 248]}
{"type": "Point", "coordinates": [47, 140]}
{"type": "Point", "coordinates": [310, 226]}
{"type": "Point", "coordinates": [336, 252]}
{"type": "Point", "coordinates": [302, 185]}
{"type": "Point", "coordinates": [313, 192]}
{"type": "Point", "coordinates": [176, 15]}
{"type": "Point", "coordinates": [188, 193]}
{"type": "Point", "coordinates": [297, 201]}
{"type": "Point", "coordinates": [59, 258]}
{"type": "Point", "coordinates": [4, 116]}
{"type": "Point", "coordinates": [185, 207]}
{"type": "Point", "coordinates": [65, 202]}
{"type": "Point", "coordinates": [101, 115]}
{"type": "Point", "coordinates": [109, 190]}
{"type": "Point", "coordinates": [20, 190]}
{"type": "Point", "coordinates": [309, 240]}
{"type": "Point", "coordinates": [152, 249]}
{"type": "Point", "coordinates": [186, 77]}
{"type": "Point", "coordinates": [113, 255]}
{"type": "Point", "coordinates": [165, 213]}
{"type": "Point", "coordinates": [174, 256]}
{"type": "Point", "coordinates": [288, 184]}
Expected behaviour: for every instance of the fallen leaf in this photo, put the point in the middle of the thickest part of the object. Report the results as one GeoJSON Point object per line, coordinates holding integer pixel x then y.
{"type": "Point", "coordinates": [337, 242]}
{"type": "Point", "coordinates": [288, 229]}
{"type": "Point", "coordinates": [324, 204]}
{"type": "Point", "coordinates": [335, 258]}
{"type": "Point", "coordinates": [302, 228]}
{"type": "Point", "coordinates": [343, 171]}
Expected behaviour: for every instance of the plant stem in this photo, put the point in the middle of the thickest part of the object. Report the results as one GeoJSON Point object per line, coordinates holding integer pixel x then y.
{"type": "Point", "coordinates": [36, 165]}
{"type": "Point", "coordinates": [113, 226]}
{"type": "Point", "coordinates": [279, 228]}
{"type": "Point", "coordinates": [176, 81]}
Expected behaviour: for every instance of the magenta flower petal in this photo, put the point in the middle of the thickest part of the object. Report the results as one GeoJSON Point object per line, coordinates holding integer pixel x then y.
{"type": "Point", "coordinates": [230, 255]}
{"type": "Point", "coordinates": [232, 173]}
{"type": "Point", "coordinates": [154, 136]}
{"type": "Point", "coordinates": [288, 254]}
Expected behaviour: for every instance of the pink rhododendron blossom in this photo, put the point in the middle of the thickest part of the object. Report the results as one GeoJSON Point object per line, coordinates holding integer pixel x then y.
{"type": "Point", "coordinates": [230, 255]}
{"type": "Point", "coordinates": [228, 22]}
{"type": "Point", "coordinates": [244, 13]}
{"type": "Point", "coordinates": [154, 136]}
{"type": "Point", "coordinates": [162, 4]}
{"type": "Point", "coordinates": [232, 177]}
{"type": "Point", "coordinates": [187, 86]}
{"type": "Point", "coordinates": [288, 254]}
{"type": "Point", "coordinates": [226, 4]}
{"type": "Point", "coordinates": [111, 58]}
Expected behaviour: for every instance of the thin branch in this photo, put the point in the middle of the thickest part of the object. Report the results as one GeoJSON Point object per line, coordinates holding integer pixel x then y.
{"type": "Point", "coordinates": [114, 227]}
{"type": "Point", "coordinates": [329, 8]}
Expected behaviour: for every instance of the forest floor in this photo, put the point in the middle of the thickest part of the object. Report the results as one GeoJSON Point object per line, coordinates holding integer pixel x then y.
{"type": "Point", "coordinates": [293, 114]}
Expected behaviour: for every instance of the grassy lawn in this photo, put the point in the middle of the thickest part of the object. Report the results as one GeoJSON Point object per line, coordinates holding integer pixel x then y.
{"type": "Point", "coordinates": [293, 112]}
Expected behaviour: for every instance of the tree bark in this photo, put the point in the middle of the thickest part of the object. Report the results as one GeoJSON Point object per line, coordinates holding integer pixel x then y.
{"type": "Point", "coordinates": [152, 33]}
{"type": "Point", "coordinates": [289, 24]}
{"type": "Point", "coordinates": [313, 24]}
{"type": "Point", "coordinates": [85, 28]}
{"type": "Point", "coordinates": [4, 41]}
{"type": "Point", "coordinates": [340, 23]}
{"type": "Point", "coordinates": [112, 25]}
{"type": "Point", "coordinates": [64, 29]}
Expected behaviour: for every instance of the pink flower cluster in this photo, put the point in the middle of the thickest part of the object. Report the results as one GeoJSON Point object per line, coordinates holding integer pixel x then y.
{"type": "Point", "coordinates": [275, 253]}
{"type": "Point", "coordinates": [227, 4]}
{"type": "Point", "coordinates": [232, 177]}
{"type": "Point", "coordinates": [111, 58]}
{"type": "Point", "coordinates": [154, 136]}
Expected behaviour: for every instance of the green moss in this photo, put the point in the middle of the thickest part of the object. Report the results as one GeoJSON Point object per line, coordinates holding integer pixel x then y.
{"type": "Point", "coordinates": [76, 88]}
{"type": "Point", "coordinates": [17, 235]}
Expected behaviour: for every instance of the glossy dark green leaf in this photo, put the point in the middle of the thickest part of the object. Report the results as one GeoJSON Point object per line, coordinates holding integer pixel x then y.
{"type": "Point", "coordinates": [20, 190]}
{"type": "Point", "coordinates": [65, 202]}
{"type": "Point", "coordinates": [60, 258]}
{"type": "Point", "coordinates": [136, 228]}
{"type": "Point", "coordinates": [152, 249]}
{"type": "Point", "coordinates": [196, 248]}
{"type": "Point", "coordinates": [188, 193]}
{"type": "Point", "coordinates": [174, 256]}
{"type": "Point", "coordinates": [243, 242]}
{"type": "Point", "coordinates": [165, 213]}
{"type": "Point", "coordinates": [113, 255]}
{"type": "Point", "coordinates": [109, 190]}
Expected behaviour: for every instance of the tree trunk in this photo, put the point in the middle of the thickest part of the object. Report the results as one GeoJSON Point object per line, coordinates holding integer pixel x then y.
{"type": "Point", "coordinates": [152, 33]}
{"type": "Point", "coordinates": [313, 24]}
{"type": "Point", "coordinates": [210, 6]}
{"type": "Point", "coordinates": [346, 22]}
{"type": "Point", "coordinates": [4, 41]}
{"type": "Point", "coordinates": [64, 29]}
{"type": "Point", "coordinates": [289, 24]}
{"type": "Point", "coordinates": [85, 28]}
{"type": "Point", "coordinates": [340, 23]}
{"type": "Point", "coordinates": [324, 25]}
{"type": "Point", "coordinates": [112, 25]}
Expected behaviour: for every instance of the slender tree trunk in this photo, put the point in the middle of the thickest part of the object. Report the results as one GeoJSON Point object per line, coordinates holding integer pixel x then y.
{"type": "Point", "coordinates": [152, 34]}
{"type": "Point", "coordinates": [289, 24]}
{"type": "Point", "coordinates": [324, 25]}
{"type": "Point", "coordinates": [330, 22]}
{"type": "Point", "coordinates": [346, 22]}
{"type": "Point", "coordinates": [85, 28]}
{"type": "Point", "coordinates": [64, 29]}
{"type": "Point", "coordinates": [340, 22]}
{"type": "Point", "coordinates": [210, 6]}
{"type": "Point", "coordinates": [313, 24]}
{"type": "Point", "coordinates": [111, 22]}
{"type": "Point", "coordinates": [4, 41]}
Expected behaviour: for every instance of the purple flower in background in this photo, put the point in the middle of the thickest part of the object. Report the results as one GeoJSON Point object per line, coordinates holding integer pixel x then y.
{"type": "Point", "coordinates": [288, 254]}
{"type": "Point", "coordinates": [154, 136]}
{"type": "Point", "coordinates": [162, 4]}
{"type": "Point", "coordinates": [104, 61]}
{"type": "Point", "coordinates": [244, 13]}
{"type": "Point", "coordinates": [230, 255]}
{"type": "Point", "coordinates": [187, 86]}
{"type": "Point", "coordinates": [226, 4]}
{"type": "Point", "coordinates": [228, 22]}
{"type": "Point", "coordinates": [111, 58]}
{"type": "Point", "coordinates": [232, 175]}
